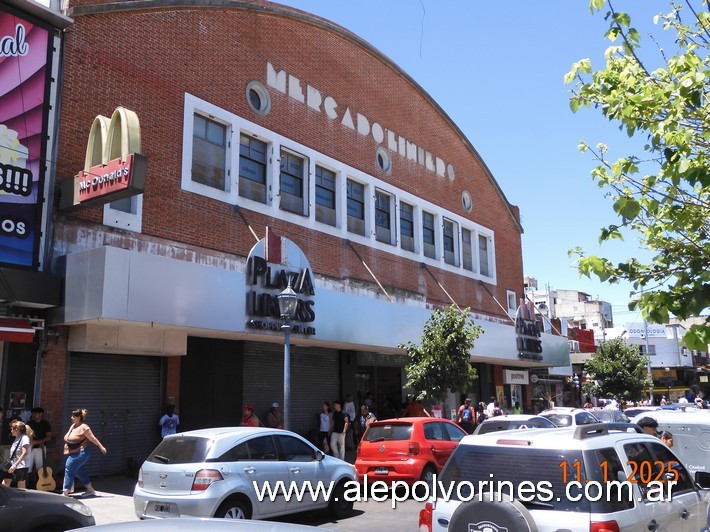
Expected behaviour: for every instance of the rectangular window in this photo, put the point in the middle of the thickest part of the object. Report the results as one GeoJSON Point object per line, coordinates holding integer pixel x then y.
{"type": "Point", "coordinates": [252, 168]}
{"type": "Point", "coordinates": [292, 181]}
{"type": "Point", "coordinates": [449, 242]}
{"type": "Point", "coordinates": [406, 226]}
{"type": "Point", "coordinates": [483, 255]}
{"type": "Point", "coordinates": [325, 196]}
{"type": "Point", "coordinates": [651, 350]}
{"type": "Point", "coordinates": [512, 303]}
{"type": "Point", "coordinates": [429, 235]}
{"type": "Point", "coordinates": [466, 250]}
{"type": "Point", "coordinates": [126, 213]}
{"type": "Point", "coordinates": [209, 153]}
{"type": "Point", "coordinates": [383, 217]}
{"type": "Point", "coordinates": [356, 207]}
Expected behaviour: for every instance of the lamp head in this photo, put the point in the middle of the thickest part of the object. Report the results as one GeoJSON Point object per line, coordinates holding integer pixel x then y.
{"type": "Point", "coordinates": [288, 302]}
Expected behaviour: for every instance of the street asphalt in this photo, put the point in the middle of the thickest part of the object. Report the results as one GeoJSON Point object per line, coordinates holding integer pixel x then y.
{"type": "Point", "coordinates": [113, 503]}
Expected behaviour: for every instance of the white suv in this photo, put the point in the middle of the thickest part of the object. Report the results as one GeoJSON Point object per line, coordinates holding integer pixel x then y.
{"type": "Point", "coordinates": [543, 475]}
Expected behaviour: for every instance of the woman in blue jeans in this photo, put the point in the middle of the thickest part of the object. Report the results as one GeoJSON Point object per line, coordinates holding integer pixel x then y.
{"type": "Point", "coordinates": [75, 448]}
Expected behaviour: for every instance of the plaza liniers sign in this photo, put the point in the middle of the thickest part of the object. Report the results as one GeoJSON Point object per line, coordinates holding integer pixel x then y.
{"type": "Point", "coordinates": [273, 264]}
{"type": "Point", "coordinates": [527, 333]}
{"type": "Point", "coordinates": [113, 167]}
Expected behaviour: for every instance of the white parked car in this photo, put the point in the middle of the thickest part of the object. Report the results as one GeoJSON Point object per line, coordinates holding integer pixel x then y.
{"type": "Point", "coordinates": [512, 422]}
{"type": "Point", "coordinates": [219, 472]}
{"type": "Point", "coordinates": [563, 416]}
{"type": "Point", "coordinates": [589, 478]}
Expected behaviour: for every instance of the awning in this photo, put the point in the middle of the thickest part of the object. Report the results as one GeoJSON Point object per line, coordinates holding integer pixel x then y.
{"type": "Point", "coordinates": [16, 330]}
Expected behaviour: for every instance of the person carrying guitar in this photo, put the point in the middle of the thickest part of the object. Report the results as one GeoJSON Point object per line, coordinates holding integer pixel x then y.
{"type": "Point", "coordinates": [42, 434]}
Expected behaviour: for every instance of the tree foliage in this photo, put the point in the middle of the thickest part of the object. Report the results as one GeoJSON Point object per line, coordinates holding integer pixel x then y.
{"type": "Point", "coordinates": [663, 195]}
{"type": "Point", "coordinates": [617, 370]}
{"type": "Point", "coordinates": [441, 362]}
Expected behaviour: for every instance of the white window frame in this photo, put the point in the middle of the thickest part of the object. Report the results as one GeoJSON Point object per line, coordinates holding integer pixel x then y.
{"type": "Point", "coordinates": [514, 308]}
{"type": "Point", "coordinates": [392, 214]}
{"type": "Point", "coordinates": [194, 106]}
{"type": "Point", "coordinates": [455, 237]}
{"type": "Point", "coordinates": [130, 221]}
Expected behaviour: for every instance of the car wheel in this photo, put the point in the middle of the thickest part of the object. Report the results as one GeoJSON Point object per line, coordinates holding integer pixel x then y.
{"type": "Point", "coordinates": [428, 475]}
{"type": "Point", "coordinates": [339, 506]}
{"type": "Point", "coordinates": [233, 509]}
{"type": "Point", "coordinates": [487, 514]}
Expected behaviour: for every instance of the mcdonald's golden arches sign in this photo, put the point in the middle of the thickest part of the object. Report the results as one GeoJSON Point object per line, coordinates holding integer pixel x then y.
{"type": "Point", "coordinates": [113, 168]}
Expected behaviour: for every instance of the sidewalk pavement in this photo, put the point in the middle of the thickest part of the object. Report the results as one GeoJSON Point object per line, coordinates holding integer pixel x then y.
{"type": "Point", "coordinates": [113, 502]}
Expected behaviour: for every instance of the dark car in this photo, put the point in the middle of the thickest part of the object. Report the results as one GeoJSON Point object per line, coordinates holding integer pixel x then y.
{"type": "Point", "coordinates": [610, 416]}
{"type": "Point", "coordinates": [31, 511]}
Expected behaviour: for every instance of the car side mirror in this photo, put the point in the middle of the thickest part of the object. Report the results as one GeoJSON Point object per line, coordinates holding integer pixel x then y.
{"type": "Point", "coordinates": [320, 455]}
{"type": "Point", "coordinates": [702, 479]}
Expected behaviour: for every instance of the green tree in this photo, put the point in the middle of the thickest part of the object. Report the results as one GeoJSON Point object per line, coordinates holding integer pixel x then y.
{"type": "Point", "coordinates": [441, 362]}
{"type": "Point", "coordinates": [663, 196]}
{"type": "Point", "coordinates": [617, 370]}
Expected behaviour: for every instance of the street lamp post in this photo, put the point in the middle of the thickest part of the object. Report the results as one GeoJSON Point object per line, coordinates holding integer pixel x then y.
{"type": "Point", "coordinates": [288, 301]}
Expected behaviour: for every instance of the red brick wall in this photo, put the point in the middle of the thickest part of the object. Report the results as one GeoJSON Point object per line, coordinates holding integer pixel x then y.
{"type": "Point", "coordinates": [146, 61]}
{"type": "Point", "coordinates": [54, 372]}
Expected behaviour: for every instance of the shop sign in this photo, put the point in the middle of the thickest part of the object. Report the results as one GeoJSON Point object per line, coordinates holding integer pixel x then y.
{"type": "Point", "coordinates": [528, 339]}
{"type": "Point", "coordinates": [26, 47]}
{"type": "Point", "coordinates": [650, 330]}
{"type": "Point", "coordinates": [275, 263]}
{"type": "Point", "coordinates": [315, 100]}
{"type": "Point", "coordinates": [113, 168]}
{"type": "Point", "coordinates": [515, 377]}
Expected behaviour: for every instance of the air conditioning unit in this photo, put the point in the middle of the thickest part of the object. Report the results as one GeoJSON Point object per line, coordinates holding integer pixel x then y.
{"type": "Point", "coordinates": [573, 346]}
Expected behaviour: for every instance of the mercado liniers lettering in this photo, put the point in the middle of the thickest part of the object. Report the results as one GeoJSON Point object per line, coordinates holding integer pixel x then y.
{"type": "Point", "coordinates": [275, 326]}
{"type": "Point", "coordinates": [315, 100]}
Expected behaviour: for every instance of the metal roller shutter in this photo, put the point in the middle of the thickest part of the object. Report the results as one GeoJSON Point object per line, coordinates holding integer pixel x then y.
{"type": "Point", "coordinates": [315, 377]}
{"type": "Point", "coordinates": [123, 396]}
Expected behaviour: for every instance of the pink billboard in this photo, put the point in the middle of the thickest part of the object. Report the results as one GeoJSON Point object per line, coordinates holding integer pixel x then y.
{"type": "Point", "coordinates": [25, 62]}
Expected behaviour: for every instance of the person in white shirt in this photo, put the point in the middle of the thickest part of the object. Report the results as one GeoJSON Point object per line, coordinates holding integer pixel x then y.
{"type": "Point", "coordinates": [169, 422]}
{"type": "Point", "coordinates": [349, 409]}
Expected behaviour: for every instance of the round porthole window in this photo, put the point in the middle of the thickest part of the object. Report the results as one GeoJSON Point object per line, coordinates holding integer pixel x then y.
{"type": "Point", "coordinates": [258, 98]}
{"type": "Point", "coordinates": [384, 160]}
{"type": "Point", "coordinates": [466, 201]}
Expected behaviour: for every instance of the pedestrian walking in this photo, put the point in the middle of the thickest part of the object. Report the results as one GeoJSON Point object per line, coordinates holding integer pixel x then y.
{"type": "Point", "coordinates": [349, 409]}
{"type": "Point", "coordinates": [338, 428]}
{"type": "Point", "coordinates": [465, 416]}
{"type": "Point", "coordinates": [273, 417]}
{"type": "Point", "coordinates": [249, 419]}
{"type": "Point", "coordinates": [19, 455]}
{"type": "Point", "coordinates": [168, 422]}
{"type": "Point", "coordinates": [324, 422]}
{"type": "Point", "coordinates": [362, 421]}
{"type": "Point", "coordinates": [77, 451]}
{"type": "Point", "coordinates": [42, 435]}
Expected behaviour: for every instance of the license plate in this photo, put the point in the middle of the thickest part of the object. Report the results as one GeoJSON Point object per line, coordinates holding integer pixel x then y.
{"type": "Point", "coordinates": [161, 508]}
{"type": "Point", "coordinates": [382, 471]}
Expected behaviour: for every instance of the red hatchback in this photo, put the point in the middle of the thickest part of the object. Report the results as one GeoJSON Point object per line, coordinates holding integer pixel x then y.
{"type": "Point", "coordinates": [407, 449]}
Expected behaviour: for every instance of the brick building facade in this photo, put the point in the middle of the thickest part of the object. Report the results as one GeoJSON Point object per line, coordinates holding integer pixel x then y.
{"type": "Point", "coordinates": [254, 115]}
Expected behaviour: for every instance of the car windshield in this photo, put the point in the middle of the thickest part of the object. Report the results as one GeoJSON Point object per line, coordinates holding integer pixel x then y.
{"type": "Point", "coordinates": [473, 469]}
{"type": "Point", "coordinates": [181, 450]}
{"type": "Point", "coordinates": [389, 432]}
{"type": "Point", "coordinates": [560, 420]}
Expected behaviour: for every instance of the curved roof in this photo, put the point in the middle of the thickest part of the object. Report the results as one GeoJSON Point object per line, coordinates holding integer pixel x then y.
{"type": "Point", "coordinates": [308, 18]}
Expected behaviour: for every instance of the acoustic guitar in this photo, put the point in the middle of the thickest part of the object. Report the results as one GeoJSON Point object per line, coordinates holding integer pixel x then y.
{"type": "Point", "coordinates": [45, 480]}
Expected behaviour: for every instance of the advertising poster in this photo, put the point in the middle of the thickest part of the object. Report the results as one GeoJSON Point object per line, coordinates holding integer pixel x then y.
{"type": "Point", "coordinates": [25, 61]}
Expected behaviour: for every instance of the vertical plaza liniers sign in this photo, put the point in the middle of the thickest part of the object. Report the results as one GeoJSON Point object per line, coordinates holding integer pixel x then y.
{"type": "Point", "coordinates": [527, 332]}
{"type": "Point", "coordinates": [275, 263]}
